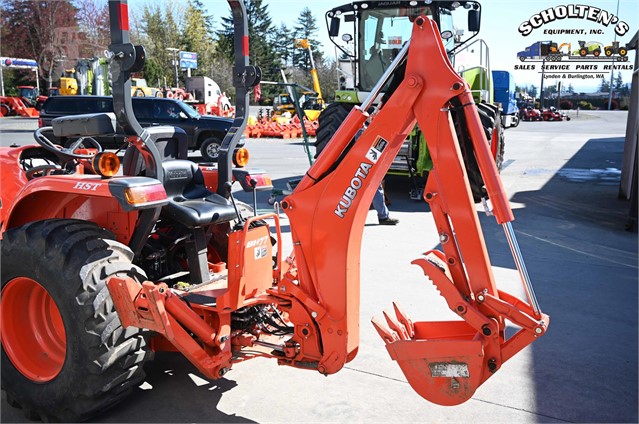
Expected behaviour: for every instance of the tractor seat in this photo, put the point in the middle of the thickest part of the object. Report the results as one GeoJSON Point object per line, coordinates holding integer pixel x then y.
{"type": "Point", "coordinates": [190, 202]}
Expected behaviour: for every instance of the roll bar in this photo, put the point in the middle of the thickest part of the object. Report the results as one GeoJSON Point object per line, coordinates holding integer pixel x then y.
{"type": "Point", "coordinates": [244, 78]}
{"type": "Point", "coordinates": [126, 58]}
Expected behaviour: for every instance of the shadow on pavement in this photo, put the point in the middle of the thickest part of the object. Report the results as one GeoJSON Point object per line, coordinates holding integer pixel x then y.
{"type": "Point", "coordinates": [163, 398]}
{"type": "Point", "coordinates": [583, 265]}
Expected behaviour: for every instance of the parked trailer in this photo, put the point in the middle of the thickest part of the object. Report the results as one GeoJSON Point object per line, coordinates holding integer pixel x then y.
{"type": "Point", "coordinates": [504, 93]}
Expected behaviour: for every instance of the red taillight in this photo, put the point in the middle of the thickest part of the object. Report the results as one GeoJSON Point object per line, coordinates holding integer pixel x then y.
{"type": "Point", "coordinates": [39, 122]}
{"type": "Point", "coordinates": [144, 194]}
{"type": "Point", "coordinates": [262, 180]}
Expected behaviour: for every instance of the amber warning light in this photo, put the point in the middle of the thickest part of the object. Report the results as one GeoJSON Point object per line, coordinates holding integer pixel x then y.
{"type": "Point", "coordinates": [106, 164]}
{"type": "Point", "coordinates": [241, 157]}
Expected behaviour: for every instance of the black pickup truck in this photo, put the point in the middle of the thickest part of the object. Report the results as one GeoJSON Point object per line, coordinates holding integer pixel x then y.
{"type": "Point", "coordinates": [204, 132]}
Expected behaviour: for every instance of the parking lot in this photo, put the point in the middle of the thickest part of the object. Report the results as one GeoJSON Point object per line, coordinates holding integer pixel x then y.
{"type": "Point", "coordinates": [563, 181]}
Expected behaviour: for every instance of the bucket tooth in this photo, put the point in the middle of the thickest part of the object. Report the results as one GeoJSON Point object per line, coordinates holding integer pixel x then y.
{"type": "Point", "coordinates": [403, 318]}
{"type": "Point", "coordinates": [388, 335]}
{"type": "Point", "coordinates": [397, 326]}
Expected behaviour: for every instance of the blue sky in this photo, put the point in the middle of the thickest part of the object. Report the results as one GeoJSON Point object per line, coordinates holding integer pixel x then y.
{"type": "Point", "coordinates": [500, 21]}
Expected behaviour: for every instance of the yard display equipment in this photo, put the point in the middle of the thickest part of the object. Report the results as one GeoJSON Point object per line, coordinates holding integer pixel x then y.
{"type": "Point", "coordinates": [27, 103]}
{"type": "Point", "coordinates": [374, 32]}
{"type": "Point", "coordinates": [529, 113]}
{"type": "Point", "coordinates": [31, 96]}
{"type": "Point", "coordinates": [100, 269]}
{"type": "Point", "coordinates": [16, 106]}
{"type": "Point", "coordinates": [552, 114]}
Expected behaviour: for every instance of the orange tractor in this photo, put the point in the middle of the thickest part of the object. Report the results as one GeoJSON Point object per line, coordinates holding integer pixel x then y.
{"type": "Point", "coordinates": [101, 269]}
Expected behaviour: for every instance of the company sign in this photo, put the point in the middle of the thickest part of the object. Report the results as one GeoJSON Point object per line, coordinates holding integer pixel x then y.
{"type": "Point", "coordinates": [573, 11]}
{"type": "Point", "coordinates": [188, 60]}
{"type": "Point", "coordinates": [12, 62]}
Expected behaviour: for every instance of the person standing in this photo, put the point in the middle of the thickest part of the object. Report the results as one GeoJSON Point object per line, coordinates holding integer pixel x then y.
{"type": "Point", "coordinates": [383, 214]}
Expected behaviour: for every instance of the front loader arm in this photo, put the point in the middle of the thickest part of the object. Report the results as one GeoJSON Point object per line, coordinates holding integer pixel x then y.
{"type": "Point", "coordinates": [446, 361]}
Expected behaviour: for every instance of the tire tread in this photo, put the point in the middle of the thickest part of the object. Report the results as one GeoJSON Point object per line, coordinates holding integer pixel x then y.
{"type": "Point", "coordinates": [111, 357]}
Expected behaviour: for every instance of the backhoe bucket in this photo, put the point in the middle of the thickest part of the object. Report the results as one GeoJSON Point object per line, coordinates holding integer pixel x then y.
{"type": "Point", "coordinates": [446, 361]}
{"type": "Point", "coordinates": [443, 362]}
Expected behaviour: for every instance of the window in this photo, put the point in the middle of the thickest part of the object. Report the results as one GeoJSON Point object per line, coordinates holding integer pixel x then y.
{"type": "Point", "coordinates": [165, 110]}
{"type": "Point", "coordinates": [143, 109]}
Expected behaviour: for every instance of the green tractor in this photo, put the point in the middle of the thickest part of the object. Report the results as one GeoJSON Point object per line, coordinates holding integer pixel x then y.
{"type": "Point", "coordinates": [372, 33]}
{"type": "Point", "coordinates": [592, 47]}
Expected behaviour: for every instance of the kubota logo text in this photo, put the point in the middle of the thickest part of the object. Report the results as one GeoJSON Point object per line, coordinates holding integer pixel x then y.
{"type": "Point", "coordinates": [351, 191]}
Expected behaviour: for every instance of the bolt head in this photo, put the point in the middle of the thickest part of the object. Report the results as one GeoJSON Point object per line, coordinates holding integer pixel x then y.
{"type": "Point", "coordinates": [481, 298]}
{"type": "Point", "coordinates": [314, 314]}
{"type": "Point", "coordinates": [538, 330]}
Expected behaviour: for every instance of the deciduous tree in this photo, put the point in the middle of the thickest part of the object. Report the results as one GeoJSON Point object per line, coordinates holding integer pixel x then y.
{"type": "Point", "coordinates": [29, 31]}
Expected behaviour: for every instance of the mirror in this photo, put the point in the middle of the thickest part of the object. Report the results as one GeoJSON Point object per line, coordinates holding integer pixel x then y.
{"type": "Point", "coordinates": [447, 35]}
{"type": "Point", "coordinates": [474, 20]}
{"type": "Point", "coordinates": [333, 30]}
{"type": "Point", "coordinates": [347, 38]}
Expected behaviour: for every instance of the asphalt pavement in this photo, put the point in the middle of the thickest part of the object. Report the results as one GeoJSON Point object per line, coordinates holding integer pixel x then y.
{"type": "Point", "coordinates": [563, 181]}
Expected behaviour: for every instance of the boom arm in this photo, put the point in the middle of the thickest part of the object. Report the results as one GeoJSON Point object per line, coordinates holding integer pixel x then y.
{"type": "Point", "coordinates": [304, 44]}
{"type": "Point", "coordinates": [317, 286]}
{"type": "Point", "coordinates": [445, 361]}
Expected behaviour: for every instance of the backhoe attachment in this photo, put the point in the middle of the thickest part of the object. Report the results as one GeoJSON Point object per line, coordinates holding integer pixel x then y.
{"type": "Point", "coordinates": [445, 362]}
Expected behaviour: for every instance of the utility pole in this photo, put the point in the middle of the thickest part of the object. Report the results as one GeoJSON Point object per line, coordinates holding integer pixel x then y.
{"type": "Point", "coordinates": [612, 72]}
{"type": "Point", "coordinates": [175, 63]}
{"type": "Point", "coordinates": [541, 91]}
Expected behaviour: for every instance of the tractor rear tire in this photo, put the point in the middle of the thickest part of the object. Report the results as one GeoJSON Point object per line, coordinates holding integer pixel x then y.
{"type": "Point", "coordinates": [65, 355]}
{"type": "Point", "coordinates": [328, 122]}
{"type": "Point", "coordinates": [490, 118]}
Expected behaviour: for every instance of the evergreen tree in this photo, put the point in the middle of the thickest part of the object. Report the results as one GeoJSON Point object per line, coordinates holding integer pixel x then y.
{"type": "Point", "coordinates": [196, 36]}
{"type": "Point", "coordinates": [161, 32]}
{"type": "Point", "coordinates": [306, 28]}
{"type": "Point", "coordinates": [618, 81]}
{"type": "Point", "coordinates": [261, 43]}
{"type": "Point", "coordinates": [604, 86]}
{"type": "Point", "coordinates": [284, 44]}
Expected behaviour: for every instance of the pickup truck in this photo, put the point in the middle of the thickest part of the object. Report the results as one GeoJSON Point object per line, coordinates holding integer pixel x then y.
{"type": "Point", "coordinates": [205, 133]}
